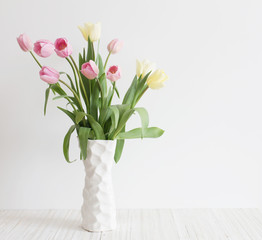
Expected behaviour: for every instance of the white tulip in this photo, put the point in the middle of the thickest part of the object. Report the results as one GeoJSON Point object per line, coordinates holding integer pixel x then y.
{"type": "Point", "coordinates": [144, 67]}
{"type": "Point", "coordinates": [156, 79]}
{"type": "Point", "coordinates": [91, 30]}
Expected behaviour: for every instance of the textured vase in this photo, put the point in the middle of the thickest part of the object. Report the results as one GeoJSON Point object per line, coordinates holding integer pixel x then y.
{"type": "Point", "coordinates": [98, 209]}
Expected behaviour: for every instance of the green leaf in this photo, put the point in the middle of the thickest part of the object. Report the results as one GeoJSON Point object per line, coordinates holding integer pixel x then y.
{"type": "Point", "coordinates": [61, 96]}
{"type": "Point", "coordinates": [114, 117]}
{"type": "Point", "coordinates": [90, 51]}
{"type": "Point", "coordinates": [68, 98]}
{"type": "Point", "coordinates": [94, 102]}
{"type": "Point", "coordinates": [119, 149]}
{"type": "Point", "coordinates": [116, 90]}
{"type": "Point", "coordinates": [104, 115]}
{"type": "Point", "coordinates": [124, 118]}
{"type": "Point", "coordinates": [68, 113]}
{"type": "Point", "coordinates": [79, 116]}
{"type": "Point", "coordinates": [130, 94]}
{"type": "Point", "coordinates": [122, 122]}
{"type": "Point", "coordinates": [141, 86]}
{"type": "Point", "coordinates": [84, 53]}
{"type": "Point", "coordinates": [70, 79]}
{"type": "Point", "coordinates": [91, 135]}
{"type": "Point", "coordinates": [122, 108]}
{"type": "Point", "coordinates": [82, 60]}
{"type": "Point", "coordinates": [57, 88]}
{"type": "Point", "coordinates": [83, 135]}
{"type": "Point", "coordinates": [152, 132]}
{"type": "Point", "coordinates": [120, 142]}
{"type": "Point", "coordinates": [109, 95]}
{"type": "Point", "coordinates": [74, 100]}
{"type": "Point", "coordinates": [67, 141]}
{"type": "Point", "coordinates": [142, 82]}
{"type": "Point", "coordinates": [47, 91]}
{"type": "Point", "coordinates": [144, 118]}
{"type": "Point", "coordinates": [102, 77]}
{"type": "Point", "coordinates": [99, 133]}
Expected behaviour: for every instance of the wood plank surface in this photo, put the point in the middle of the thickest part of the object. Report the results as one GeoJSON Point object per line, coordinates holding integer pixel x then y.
{"type": "Point", "coordinates": [146, 224]}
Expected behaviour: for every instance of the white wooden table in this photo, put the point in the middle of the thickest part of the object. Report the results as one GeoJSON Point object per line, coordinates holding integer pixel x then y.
{"type": "Point", "coordinates": [162, 224]}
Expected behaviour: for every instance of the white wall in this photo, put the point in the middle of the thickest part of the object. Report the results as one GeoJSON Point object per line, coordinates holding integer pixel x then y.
{"type": "Point", "coordinates": [210, 154]}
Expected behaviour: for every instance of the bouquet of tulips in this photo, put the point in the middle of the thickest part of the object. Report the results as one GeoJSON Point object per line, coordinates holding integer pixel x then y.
{"type": "Point", "coordinates": [88, 95]}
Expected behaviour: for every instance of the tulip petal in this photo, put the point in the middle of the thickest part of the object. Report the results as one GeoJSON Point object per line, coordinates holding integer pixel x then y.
{"type": "Point", "coordinates": [138, 68]}
{"type": "Point", "coordinates": [49, 75]}
{"type": "Point", "coordinates": [84, 32]}
{"type": "Point", "coordinates": [48, 79]}
{"type": "Point", "coordinates": [47, 50]}
{"type": "Point", "coordinates": [156, 79]}
{"type": "Point", "coordinates": [113, 73]}
{"type": "Point", "coordinates": [89, 70]}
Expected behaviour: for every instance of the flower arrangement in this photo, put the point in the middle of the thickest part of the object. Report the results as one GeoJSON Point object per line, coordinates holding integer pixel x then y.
{"type": "Point", "coordinates": [88, 95]}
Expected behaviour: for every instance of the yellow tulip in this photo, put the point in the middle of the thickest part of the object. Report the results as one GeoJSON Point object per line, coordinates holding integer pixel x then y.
{"type": "Point", "coordinates": [156, 79]}
{"type": "Point", "coordinates": [91, 30]}
{"type": "Point", "coordinates": [143, 67]}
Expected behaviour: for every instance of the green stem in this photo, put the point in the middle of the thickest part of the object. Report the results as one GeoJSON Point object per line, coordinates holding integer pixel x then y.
{"type": "Point", "coordinates": [90, 89]}
{"type": "Point", "coordinates": [132, 106]}
{"type": "Point", "coordinates": [107, 60]}
{"type": "Point", "coordinates": [97, 50]}
{"type": "Point", "coordinates": [77, 88]}
{"type": "Point", "coordinates": [71, 103]}
{"type": "Point", "coordinates": [110, 100]}
{"type": "Point", "coordinates": [136, 101]}
{"type": "Point", "coordinates": [81, 82]}
{"type": "Point", "coordinates": [68, 99]}
{"type": "Point", "coordinates": [102, 94]}
{"type": "Point", "coordinates": [75, 94]}
{"type": "Point", "coordinates": [86, 51]}
{"type": "Point", "coordinates": [36, 59]}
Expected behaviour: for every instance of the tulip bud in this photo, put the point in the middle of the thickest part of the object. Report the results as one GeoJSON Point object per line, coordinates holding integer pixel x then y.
{"type": "Point", "coordinates": [144, 67]}
{"type": "Point", "coordinates": [25, 42]}
{"type": "Point", "coordinates": [49, 75]}
{"type": "Point", "coordinates": [91, 30]}
{"type": "Point", "coordinates": [156, 79]}
{"type": "Point", "coordinates": [43, 48]}
{"type": "Point", "coordinates": [115, 46]}
{"type": "Point", "coordinates": [90, 70]}
{"type": "Point", "coordinates": [62, 47]}
{"type": "Point", "coordinates": [113, 73]}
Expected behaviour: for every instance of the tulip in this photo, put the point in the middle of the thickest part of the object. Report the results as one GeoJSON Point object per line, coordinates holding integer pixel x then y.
{"type": "Point", "coordinates": [144, 67]}
{"type": "Point", "coordinates": [62, 47]}
{"type": "Point", "coordinates": [156, 79]}
{"type": "Point", "coordinates": [25, 42]}
{"type": "Point", "coordinates": [91, 30]}
{"type": "Point", "coordinates": [90, 70]}
{"type": "Point", "coordinates": [43, 48]}
{"type": "Point", "coordinates": [49, 75]}
{"type": "Point", "coordinates": [115, 46]}
{"type": "Point", "coordinates": [113, 73]}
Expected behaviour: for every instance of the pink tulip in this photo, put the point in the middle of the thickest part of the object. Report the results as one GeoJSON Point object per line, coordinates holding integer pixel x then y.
{"type": "Point", "coordinates": [115, 46]}
{"type": "Point", "coordinates": [43, 48]}
{"type": "Point", "coordinates": [62, 47]}
{"type": "Point", "coordinates": [113, 73]}
{"type": "Point", "coordinates": [90, 70]}
{"type": "Point", "coordinates": [25, 42]}
{"type": "Point", "coordinates": [49, 75]}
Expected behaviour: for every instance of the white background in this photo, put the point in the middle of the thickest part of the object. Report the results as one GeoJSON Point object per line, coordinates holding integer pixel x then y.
{"type": "Point", "coordinates": [210, 154]}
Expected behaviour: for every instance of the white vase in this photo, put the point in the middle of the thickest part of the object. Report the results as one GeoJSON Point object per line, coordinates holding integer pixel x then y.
{"type": "Point", "coordinates": [98, 209]}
